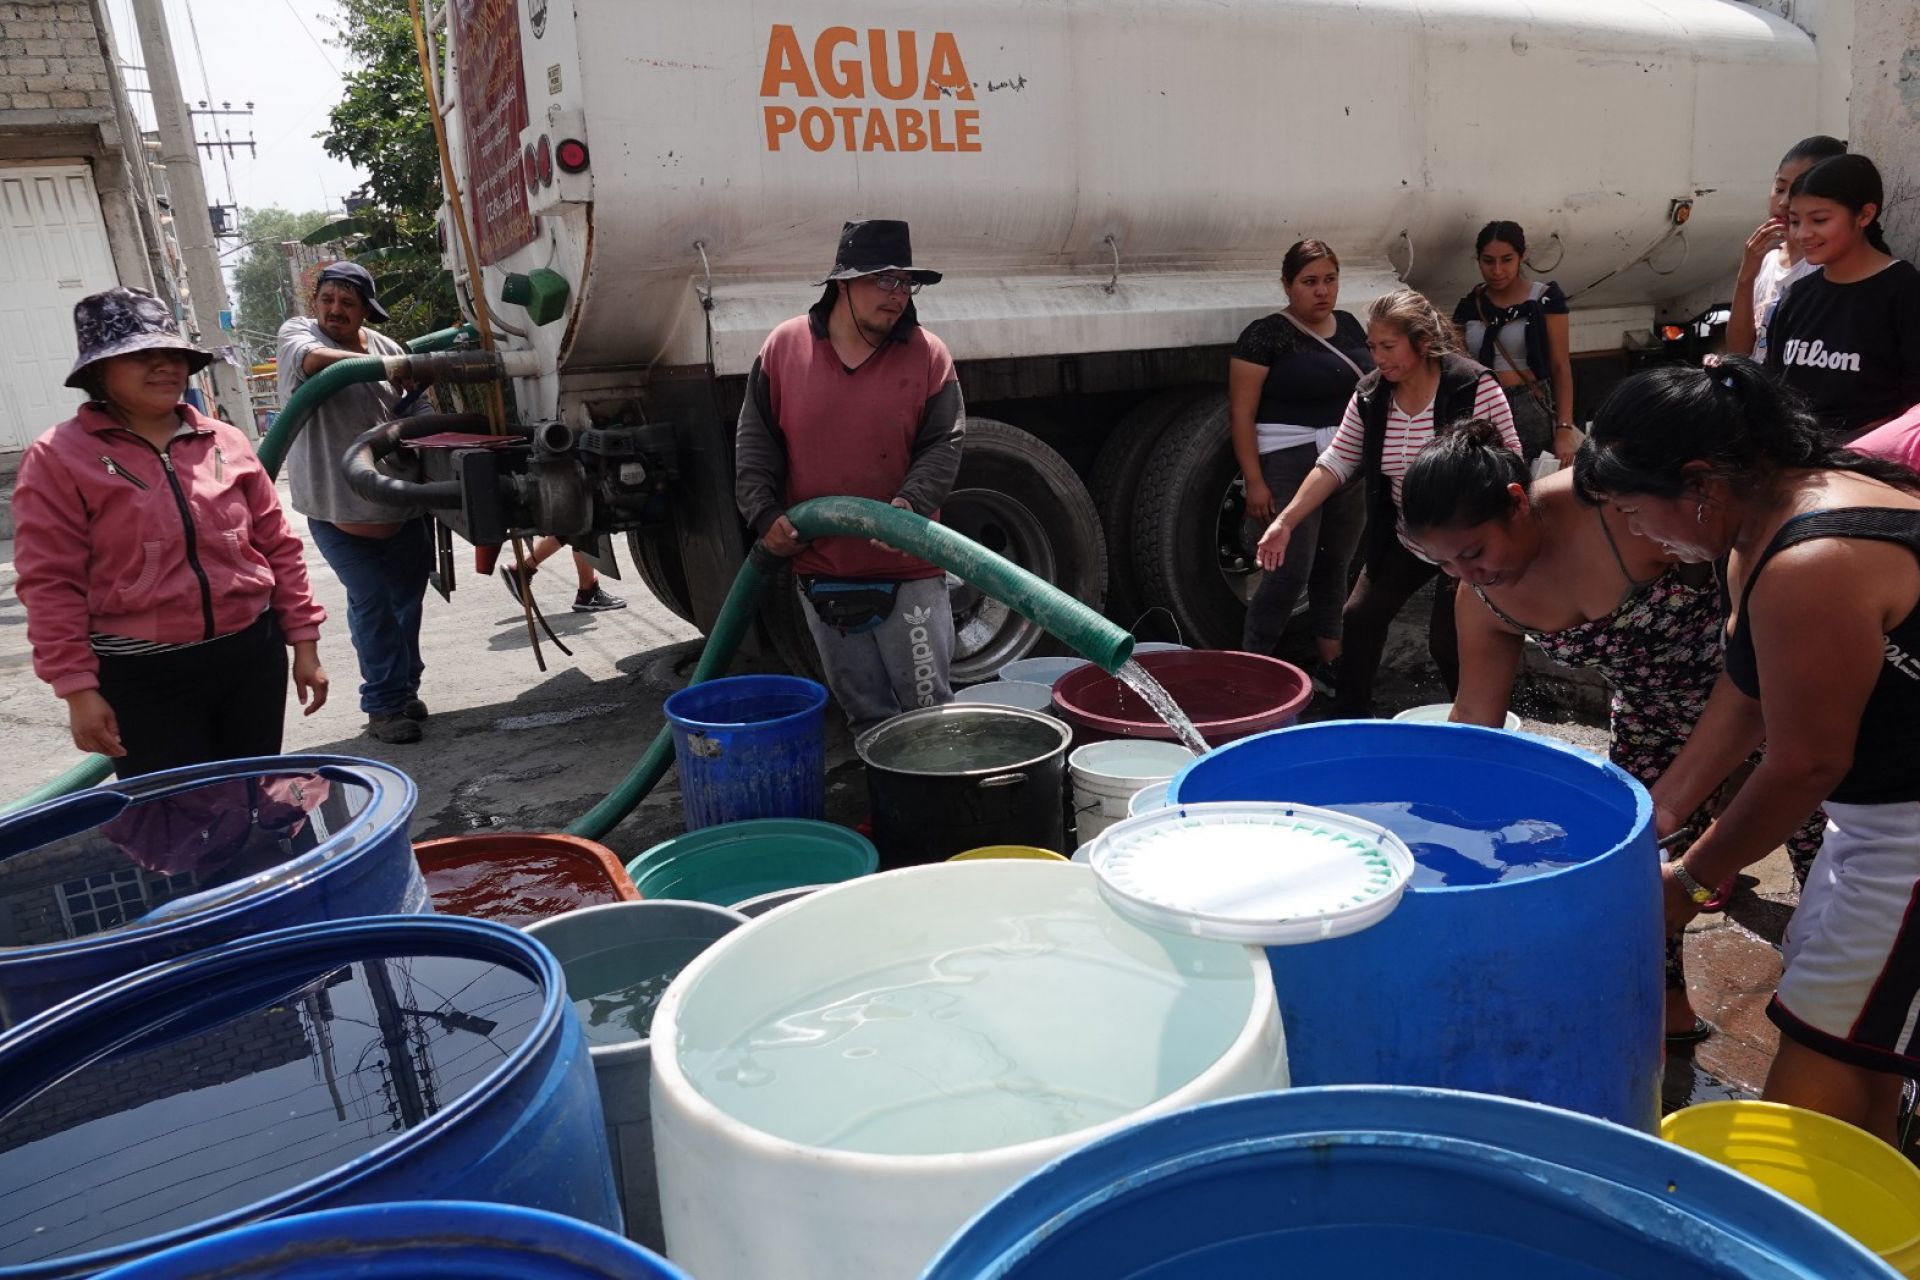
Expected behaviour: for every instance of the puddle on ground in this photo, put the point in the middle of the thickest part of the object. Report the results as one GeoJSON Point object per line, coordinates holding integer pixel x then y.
{"type": "Point", "coordinates": [1686, 1082]}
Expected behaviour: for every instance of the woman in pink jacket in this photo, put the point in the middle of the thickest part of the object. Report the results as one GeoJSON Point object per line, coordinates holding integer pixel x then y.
{"type": "Point", "coordinates": [161, 580]}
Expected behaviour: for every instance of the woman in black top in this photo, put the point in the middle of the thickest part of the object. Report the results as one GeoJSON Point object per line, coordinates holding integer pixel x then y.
{"type": "Point", "coordinates": [1847, 337]}
{"type": "Point", "coordinates": [1821, 572]}
{"type": "Point", "coordinates": [1288, 382]}
{"type": "Point", "coordinates": [1518, 327]}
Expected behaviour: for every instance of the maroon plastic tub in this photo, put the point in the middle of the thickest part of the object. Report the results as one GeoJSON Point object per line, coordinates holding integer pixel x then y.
{"type": "Point", "coordinates": [1228, 695]}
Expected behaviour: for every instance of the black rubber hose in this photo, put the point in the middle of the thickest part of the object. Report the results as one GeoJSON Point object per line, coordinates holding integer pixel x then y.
{"type": "Point", "coordinates": [374, 446]}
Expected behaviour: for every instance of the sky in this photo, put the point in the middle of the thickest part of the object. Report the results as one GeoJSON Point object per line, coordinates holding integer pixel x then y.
{"type": "Point", "coordinates": [278, 55]}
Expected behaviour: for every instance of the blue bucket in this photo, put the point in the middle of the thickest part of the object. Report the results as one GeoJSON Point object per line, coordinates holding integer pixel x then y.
{"type": "Point", "coordinates": [1382, 1184]}
{"type": "Point", "coordinates": [336, 1064]}
{"type": "Point", "coordinates": [1547, 989]}
{"type": "Point", "coordinates": [750, 747]}
{"type": "Point", "coordinates": [105, 881]}
{"type": "Point", "coordinates": [401, 1241]}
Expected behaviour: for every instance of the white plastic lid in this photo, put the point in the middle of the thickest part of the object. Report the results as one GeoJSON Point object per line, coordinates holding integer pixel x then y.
{"type": "Point", "coordinates": [1264, 874]}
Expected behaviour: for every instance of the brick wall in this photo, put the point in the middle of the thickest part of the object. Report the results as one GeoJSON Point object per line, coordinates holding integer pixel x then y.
{"type": "Point", "coordinates": [51, 59]}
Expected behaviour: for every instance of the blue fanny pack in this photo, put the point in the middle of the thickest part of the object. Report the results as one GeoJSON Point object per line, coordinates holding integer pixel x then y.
{"type": "Point", "coordinates": [853, 607]}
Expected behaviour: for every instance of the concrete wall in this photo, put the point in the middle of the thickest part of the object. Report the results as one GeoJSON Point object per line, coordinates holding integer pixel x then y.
{"type": "Point", "coordinates": [58, 101]}
{"type": "Point", "coordinates": [1885, 121]}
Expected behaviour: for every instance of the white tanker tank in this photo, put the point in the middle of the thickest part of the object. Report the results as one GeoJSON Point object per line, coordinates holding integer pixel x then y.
{"type": "Point", "coordinates": [1109, 186]}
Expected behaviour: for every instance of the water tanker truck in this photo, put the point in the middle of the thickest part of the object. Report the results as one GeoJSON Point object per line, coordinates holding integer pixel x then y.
{"type": "Point", "coordinates": [1109, 186]}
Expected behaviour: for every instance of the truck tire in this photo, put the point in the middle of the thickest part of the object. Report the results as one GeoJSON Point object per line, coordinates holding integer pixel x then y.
{"type": "Point", "coordinates": [1114, 484]}
{"type": "Point", "coordinates": [1190, 554]}
{"type": "Point", "coordinates": [1017, 497]}
{"type": "Point", "coordinates": [657, 559]}
{"type": "Point", "coordinates": [784, 624]}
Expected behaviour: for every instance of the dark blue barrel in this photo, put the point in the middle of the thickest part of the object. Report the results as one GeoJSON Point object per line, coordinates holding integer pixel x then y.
{"type": "Point", "coordinates": [102, 882]}
{"type": "Point", "coordinates": [1547, 988]}
{"type": "Point", "coordinates": [1382, 1184]}
{"type": "Point", "coordinates": [750, 747]}
{"type": "Point", "coordinates": [422, 1241]}
{"type": "Point", "coordinates": [331, 1065]}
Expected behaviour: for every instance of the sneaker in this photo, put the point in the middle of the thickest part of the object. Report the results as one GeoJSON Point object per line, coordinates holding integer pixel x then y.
{"type": "Point", "coordinates": [393, 727]}
{"type": "Point", "coordinates": [511, 578]}
{"type": "Point", "coordinates": [415, 710]}
{"type": "Point", "coordinates": [1321, 674]}
{"type": "Point", "coordinates": [596, 601]}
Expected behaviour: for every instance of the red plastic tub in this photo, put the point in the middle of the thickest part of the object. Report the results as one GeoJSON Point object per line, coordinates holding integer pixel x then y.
{"type": "Point", "coordinates": [520, 877]}
{"type": "Point", "coordinates": [1228, 695]}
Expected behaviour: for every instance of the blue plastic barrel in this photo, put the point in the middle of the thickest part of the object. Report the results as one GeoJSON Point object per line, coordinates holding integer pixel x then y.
{"type": "Point", "coordinates": [750, 747]}
{"type": "Point", "coordinates": [431, 1239]}
{"type": "Point", "coordinates": [105, 881]}
{"type": "Point", "coordinates": [1547, 989]}
{"type": "Point", "coordinates": [337, 1064]}
{"type": "Point", "coordinates": [1382, 1184]}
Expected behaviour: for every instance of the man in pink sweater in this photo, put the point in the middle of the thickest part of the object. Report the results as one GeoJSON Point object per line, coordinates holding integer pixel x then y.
{"type": "Point", "coordinates": [855, 398]}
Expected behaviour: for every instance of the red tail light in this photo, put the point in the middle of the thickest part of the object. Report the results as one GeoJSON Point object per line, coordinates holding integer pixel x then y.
{"type": "Point", "coordinates": [533, 172]}
{"type": "Point", "coordinates": [571, 155]}
{"type": "Point", "coordinates": [546, 161]}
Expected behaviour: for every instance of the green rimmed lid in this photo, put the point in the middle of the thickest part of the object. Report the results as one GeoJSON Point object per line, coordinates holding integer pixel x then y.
{"type": "Point", "coordinates": [739, 860]}
{"type": "Point", "coordinates": [1263, 874]}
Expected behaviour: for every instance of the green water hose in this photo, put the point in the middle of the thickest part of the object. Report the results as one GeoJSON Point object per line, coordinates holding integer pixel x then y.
{"type": "Point", "coordinates": [1034, 598]}
{"type": "Point", "coordinates": [92, 770]}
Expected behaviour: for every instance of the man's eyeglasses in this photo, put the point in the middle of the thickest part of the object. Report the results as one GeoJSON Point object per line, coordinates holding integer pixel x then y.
{"type": "Point", "coordinates": [889, 283]}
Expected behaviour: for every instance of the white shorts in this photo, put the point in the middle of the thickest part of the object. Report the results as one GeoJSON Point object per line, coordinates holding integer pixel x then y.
{"type": "Point", "coordinates": [1851, 989]}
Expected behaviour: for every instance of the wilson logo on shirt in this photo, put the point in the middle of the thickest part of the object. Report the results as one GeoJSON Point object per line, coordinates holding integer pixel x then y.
{"type": "Point", "coordinates": [1814, 355]}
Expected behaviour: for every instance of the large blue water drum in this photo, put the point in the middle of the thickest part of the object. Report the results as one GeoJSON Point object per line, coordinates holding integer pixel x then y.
{"type": "Point", "coordinates": [1383, 1184]}
{"type": "Point", "coordinates": [102, 882]}
{"type": "Point", "coordinates": [422, 1241]}
{"type": "Point", "coordinates": [1547, 988]}
{"type": "Point", "coordinates": [331, 1065]}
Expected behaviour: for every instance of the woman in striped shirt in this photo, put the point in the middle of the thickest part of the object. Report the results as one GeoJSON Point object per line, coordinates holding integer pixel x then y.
{"type": "Point", "coordinates": [1418, 379]}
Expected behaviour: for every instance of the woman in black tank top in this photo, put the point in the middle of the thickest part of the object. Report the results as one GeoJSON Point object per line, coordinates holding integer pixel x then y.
{"type": "Point", "coordinates": [1818, 551]}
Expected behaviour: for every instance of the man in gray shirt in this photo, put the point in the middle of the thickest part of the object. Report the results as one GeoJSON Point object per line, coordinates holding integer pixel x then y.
{"type": "Point", "coordinates": [381, 554]}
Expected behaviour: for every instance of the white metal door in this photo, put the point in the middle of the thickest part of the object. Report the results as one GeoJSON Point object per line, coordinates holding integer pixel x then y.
{"type": "Point", "coordinates": [53, 252]}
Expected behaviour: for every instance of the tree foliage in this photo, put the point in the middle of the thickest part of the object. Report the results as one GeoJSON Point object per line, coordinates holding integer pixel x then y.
{"type": "Point", "coordinates": [260, 281]}
{"type": "Point", "coordinates": [383, 126]}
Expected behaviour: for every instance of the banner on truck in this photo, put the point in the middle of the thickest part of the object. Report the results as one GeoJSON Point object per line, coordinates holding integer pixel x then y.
{"type": "Point", "coordinates": [486, 47]}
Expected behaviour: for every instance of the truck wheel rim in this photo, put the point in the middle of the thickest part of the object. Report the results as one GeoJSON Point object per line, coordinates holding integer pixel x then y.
{"type": "Point", "coordinates": [1238, 568]}
{"type": "Point", "coordinates": [986, 633]}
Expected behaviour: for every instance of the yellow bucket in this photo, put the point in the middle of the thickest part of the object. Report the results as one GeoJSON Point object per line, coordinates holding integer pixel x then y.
{"type": "Point", "coordinates": [1007, 851]}
{"type": "Point", "coordinates": [1846, 1175]}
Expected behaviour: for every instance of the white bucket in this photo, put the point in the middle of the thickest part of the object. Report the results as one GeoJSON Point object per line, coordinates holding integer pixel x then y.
{"type": "Point", "coordinates": [1106, 775]}
{"type": "Point", "coordinates": [1149, 799]}
{"type": "Point", "coordinates": [1024, 694]}
{"type": "Point", "coordinates": [863, 1158]}
{"type": "Point", "coordinates": [1438, 712]}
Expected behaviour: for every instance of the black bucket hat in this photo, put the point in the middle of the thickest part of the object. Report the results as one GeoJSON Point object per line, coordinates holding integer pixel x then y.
{"type": "Point", "coordinates": [870, 246]}
{"type": "Point", "coordinates": [118, 322]}
{"type": "Point", "coordinates": [362, 281]}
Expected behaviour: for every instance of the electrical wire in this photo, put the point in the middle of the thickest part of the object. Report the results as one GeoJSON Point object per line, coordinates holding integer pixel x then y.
{"type": "Point", "coordinates": [206, 85]}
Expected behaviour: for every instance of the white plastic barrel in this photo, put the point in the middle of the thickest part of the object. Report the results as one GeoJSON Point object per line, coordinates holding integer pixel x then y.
{"type": "Point", "coordinates": [1107, 775]}
{"type": "Point", "coordinates": [1440, 712]}
{"type": "Point", "coordinates": [811, 1135]}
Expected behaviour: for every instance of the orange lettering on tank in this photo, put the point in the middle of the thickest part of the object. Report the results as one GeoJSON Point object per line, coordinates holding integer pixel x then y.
{"type": "Point", "coordinates": [869, 70]}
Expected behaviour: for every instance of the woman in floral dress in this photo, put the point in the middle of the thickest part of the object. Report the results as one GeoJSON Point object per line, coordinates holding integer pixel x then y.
{"type": "Point", "coordinates": [1543, 565]}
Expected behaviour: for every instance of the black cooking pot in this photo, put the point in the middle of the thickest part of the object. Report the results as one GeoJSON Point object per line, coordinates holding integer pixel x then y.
{"type": "Point", "coordinates": [948, 779]}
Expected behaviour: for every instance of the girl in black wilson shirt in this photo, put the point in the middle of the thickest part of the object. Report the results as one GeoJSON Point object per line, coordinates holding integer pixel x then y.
{"type": "Point", "coordinates": [1288, 382]}
{"type": "Point", "coordinates": [1847, 337]}
{"type": "Point", "coordinates": [1819, 550]}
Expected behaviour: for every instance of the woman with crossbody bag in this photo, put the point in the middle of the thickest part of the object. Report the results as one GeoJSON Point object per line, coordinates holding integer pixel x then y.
{"type": "Point", "coordinates": [1288, 382]}
{"type": "Point", "coordinates": [1517, 327]}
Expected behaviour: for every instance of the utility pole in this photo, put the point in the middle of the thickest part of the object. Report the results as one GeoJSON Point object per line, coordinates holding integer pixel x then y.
{"type": "Point", "coordinates": [192, 224]}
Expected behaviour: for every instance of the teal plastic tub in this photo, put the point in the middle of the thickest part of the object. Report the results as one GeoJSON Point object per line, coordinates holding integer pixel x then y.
{"type": "Point", "coordinates": [738, 860]}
